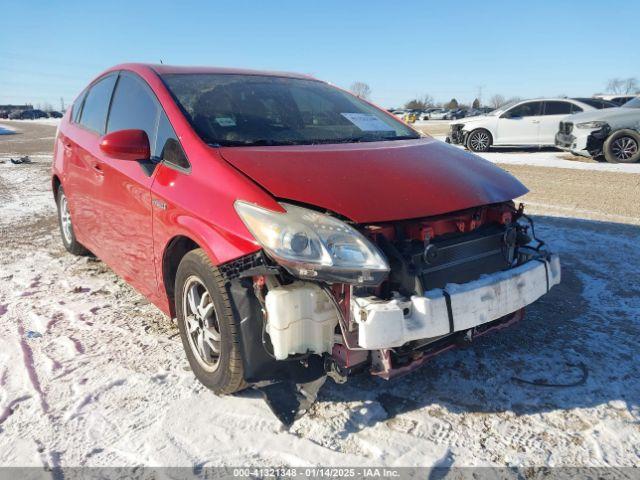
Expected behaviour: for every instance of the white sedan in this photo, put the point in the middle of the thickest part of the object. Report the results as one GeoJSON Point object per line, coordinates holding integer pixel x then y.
{"type": "Point", "coordinates": [523, 123]}
{"type": "Point", "coordinates": [438, 114]}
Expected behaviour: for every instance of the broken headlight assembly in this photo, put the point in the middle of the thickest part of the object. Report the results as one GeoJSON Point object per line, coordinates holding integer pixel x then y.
{"type": "Point", "coordinates": [591, 125]}
{"type": "Point", "coordinates": [315, 246]}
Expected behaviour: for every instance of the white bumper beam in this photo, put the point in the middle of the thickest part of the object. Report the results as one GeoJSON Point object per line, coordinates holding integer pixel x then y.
{"type": "Point", "coordinates": [388, 324]}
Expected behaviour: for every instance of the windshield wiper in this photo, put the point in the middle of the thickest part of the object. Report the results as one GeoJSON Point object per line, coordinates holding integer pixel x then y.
{"type": "Point", "coordinates": [252, 143]}
{"type": "Point", "coordinates": [371, 138]}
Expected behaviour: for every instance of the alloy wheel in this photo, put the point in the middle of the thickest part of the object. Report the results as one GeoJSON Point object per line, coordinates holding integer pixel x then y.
{"type": "Point", "coordinates": [65, 220]}
{"type": "Point", "coordinates": [479, 141]}
{"type": "Point", "coordinates": [624, 148]}
{"type": "Point", "coordinates": [201, 323]}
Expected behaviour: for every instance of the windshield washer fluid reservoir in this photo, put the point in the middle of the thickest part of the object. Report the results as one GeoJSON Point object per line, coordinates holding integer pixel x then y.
{"type": "Point", "coordinates": [300, 319]}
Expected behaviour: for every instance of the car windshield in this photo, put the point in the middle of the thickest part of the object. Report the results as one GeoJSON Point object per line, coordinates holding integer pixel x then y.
{"type": "Point", "coordinates": [249, 110]}
{"type": "Point", "coordinates": [634, 103]}
{"type": "Point", "coordinates": [501, 109]}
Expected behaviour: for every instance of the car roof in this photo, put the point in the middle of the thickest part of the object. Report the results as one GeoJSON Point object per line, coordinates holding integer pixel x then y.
{"type": "Point", "coordinates": [162, 69]}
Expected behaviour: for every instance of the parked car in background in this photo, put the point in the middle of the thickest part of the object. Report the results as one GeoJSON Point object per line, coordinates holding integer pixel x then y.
{"type": "Point", "coordinates": [184, 181]}
{"type": "Point", "coordinates": [28, 114]}
{"type": "Point", "coordinates": [438, 114]}
{"type": "Point", "coordinates": [522, 123]}
{"type": "Point", "coordinates": [612, 134]}
{"type": "Point", "coordinates": [54, 114]}
{"type": "Point", "coordinates": [455, 114]}
{"type": "Point", "coordinates": [4, 114]}
{"type": "Point", "coordinates": [618, 99]}
{"type": "Point", "coordinates": [15, 114]}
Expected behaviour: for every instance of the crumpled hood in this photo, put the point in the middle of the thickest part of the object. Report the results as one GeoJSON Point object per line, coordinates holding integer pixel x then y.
{"type": "Point", "coordinates": [606, 114]}
{"type": "Point", "coordinates": [377, 181]}
{"type": "Point", "coordinates": [477, 118]}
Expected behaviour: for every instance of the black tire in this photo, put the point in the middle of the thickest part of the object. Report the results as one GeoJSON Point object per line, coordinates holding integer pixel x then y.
{"type": "Point", "coordinates": [66, 229]}
{"type": "Point", "coordinates": [227, 375]}
{"type": "Point", "coordinates": [622, 146]}
{"type": "Point", "coordinates": [479, 140]}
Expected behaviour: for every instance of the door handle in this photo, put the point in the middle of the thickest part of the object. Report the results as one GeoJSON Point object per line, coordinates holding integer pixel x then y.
{"type": "Point", "coordinates": [535, 121]}
{"type": "Point", "coordinates": [97, 168]}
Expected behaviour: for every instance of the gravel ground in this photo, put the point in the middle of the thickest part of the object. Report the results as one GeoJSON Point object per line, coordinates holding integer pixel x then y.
{"type": "Point", "coordinates": [93, 375]}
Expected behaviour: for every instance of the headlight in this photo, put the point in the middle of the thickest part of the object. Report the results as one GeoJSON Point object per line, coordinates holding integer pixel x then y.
{"type": "Point", "coordinates": [313, 245]}
{"type": "Point", "coordinates": [591, 125]}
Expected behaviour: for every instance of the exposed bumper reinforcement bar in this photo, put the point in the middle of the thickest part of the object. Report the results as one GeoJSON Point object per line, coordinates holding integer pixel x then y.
{"type": "Point", "coordinates": [390, 324]}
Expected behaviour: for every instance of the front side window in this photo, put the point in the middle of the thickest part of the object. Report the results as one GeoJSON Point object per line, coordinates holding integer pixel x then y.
{"type": "Point", "coordinates": [133, 107]}
{"type": "Point", "coordinates": [557, 108]}
{"type": "Point", "coordinates": [529, 109]}
{"type": "Point", "coordinates": [96, 104]}
{"type": "Point", "coordinates": [245, 110]}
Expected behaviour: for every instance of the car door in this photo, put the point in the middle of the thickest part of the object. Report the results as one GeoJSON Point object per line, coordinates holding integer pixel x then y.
{"type": "Point", "coordinates": [519, 125]}
{"type": "Point", "coordinates": [126, 233]}
{"type": "Point", "coordinates": [553, 112]}
{"type": "Point", "coordinates": [83, 178]}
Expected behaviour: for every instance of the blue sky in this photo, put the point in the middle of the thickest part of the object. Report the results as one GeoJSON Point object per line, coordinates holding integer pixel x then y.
{"type": "Point", "coordinates": [404, 49]}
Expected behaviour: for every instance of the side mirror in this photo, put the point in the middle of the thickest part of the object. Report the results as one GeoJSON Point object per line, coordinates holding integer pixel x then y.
{"type": "Point", "coordinates": [126, 145]}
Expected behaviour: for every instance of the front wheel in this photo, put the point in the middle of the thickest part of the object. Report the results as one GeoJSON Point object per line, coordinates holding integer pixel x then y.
{"type": "Point", "coordinates": [209, 334]}
{"type": "Point", "coordinates": [479, 141]}
{"type": "Point", "coordinates": [622, 146]}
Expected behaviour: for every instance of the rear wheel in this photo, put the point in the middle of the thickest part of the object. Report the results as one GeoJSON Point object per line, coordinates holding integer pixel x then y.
{"type": "Point", "coordinates": [209, 334]}
{"type": "Point", "coordinates": [66, 226]}
{"type": "Point", "coordinates": [479, 140]}
{"type": "Point", "coordinates": [622, 146]}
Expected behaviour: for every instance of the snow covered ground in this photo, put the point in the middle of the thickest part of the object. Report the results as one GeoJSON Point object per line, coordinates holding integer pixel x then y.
{"type": "Point", "coordinates": [39, 121]}
{"type": "Point", "coordinates": [93, 375]}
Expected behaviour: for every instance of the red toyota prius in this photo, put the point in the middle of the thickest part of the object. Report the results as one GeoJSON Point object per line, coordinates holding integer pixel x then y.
{"type": "Point", "coordinates": [295, 230]}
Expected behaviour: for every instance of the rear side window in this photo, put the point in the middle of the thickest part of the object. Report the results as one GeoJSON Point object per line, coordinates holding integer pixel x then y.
{"type": "Point", "coordinates": [557, 108]}
{"type": "Point", "coordinates": [96, 104]}
{"type": "Point", "coordinates": [168, 148]}
{"type": "Point", "coordinates": [134, 107]}
{"type": "Point", "coordinates": [576, 109]}
{"type": "Point", "coordinates": [529, 109]}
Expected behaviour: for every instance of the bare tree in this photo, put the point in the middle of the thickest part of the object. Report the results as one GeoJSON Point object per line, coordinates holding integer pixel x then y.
{"type": "Point", "coordinates": [631, 85]}
{"type": "Point", "coordinates": [622, 85]}
{"type": "Point", "coordinates": [476, 103]}
{"type": "Point", "coordinates": [497, 101]}
{"type": "Point", "coordinates": [428, 101]}
{"type": "Point", "coordinates": [360, 89]}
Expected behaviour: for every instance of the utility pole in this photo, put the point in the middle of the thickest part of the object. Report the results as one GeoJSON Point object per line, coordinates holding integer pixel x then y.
{"type": "Point", "coordinates": [61, 104]}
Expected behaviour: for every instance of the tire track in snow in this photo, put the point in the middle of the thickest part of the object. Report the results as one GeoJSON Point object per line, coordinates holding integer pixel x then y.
{"type": "Point", "coordinates": [27, 357]}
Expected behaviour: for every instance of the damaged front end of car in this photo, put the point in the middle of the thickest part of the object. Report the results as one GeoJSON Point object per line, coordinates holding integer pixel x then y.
{"type": "Point", "coordinates": [329, 298]}
{"type": "Point", "coordinates": [457, 135]}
